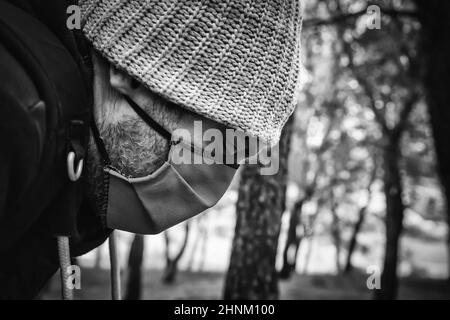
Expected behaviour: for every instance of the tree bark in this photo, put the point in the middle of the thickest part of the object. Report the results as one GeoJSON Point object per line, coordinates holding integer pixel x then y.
{"type": "Point", "coordinates": [394, 220]}
{"type": "Point", "coordinates": [261, 202]}
{"type": "Point", "coordinates": [293, 241]}
{"type": "Point", "coordinates": [435, 48]}
{"type": "Point", "coordinates": [135, 258]}
{"type": "Point", "coordinates": [354, 239]}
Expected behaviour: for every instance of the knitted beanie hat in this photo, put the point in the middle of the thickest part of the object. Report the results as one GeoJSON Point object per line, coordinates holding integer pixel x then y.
{"type": "Point", "coordinates": [233, 61]}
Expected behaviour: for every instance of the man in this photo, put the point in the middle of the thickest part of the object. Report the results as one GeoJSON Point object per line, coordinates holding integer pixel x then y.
{"type": "Point", "coordinates": [158, 67]}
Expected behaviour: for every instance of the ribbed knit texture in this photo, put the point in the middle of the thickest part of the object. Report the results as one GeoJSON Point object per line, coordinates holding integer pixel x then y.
{"type": "Point", "coordinates": [233, 61]}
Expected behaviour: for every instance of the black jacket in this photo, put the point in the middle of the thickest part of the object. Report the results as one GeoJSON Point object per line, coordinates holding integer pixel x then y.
{"type": "Point", "coordinates": [28, 251]}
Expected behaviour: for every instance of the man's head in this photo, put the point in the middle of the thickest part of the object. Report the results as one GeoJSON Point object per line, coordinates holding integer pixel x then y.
{"type": "Point", "coordinates": [143, 179]}
{"type": "Point", "coordinates": [134, 148]}
{"type": "Point", "coordinates": [235, 63]}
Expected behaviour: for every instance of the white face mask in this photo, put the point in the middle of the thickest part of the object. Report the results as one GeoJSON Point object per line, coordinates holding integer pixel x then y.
{"type": "Point", "coordinates": [170, 195]}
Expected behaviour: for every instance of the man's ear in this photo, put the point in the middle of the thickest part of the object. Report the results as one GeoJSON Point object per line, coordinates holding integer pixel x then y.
{"type": "Point", "coordinates": [121, 81]}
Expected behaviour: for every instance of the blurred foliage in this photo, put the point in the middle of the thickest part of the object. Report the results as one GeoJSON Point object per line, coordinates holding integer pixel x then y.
{"type": "Point", "coordinates": [362, 127]}
{"type": "Point", "coordinates": [346, 105]}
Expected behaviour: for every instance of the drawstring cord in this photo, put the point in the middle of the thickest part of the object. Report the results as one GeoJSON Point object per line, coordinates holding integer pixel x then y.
{"type": "Point", "coordinates": [63, 241]}
{"type": "Point", "coordinates": [115, 267]}
{"type": "Point", "coordinates": [64, 264]}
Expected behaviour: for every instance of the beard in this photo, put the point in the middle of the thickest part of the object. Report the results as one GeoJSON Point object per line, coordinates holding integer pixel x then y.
{"type": "Point", "coordinates": [134, 148]}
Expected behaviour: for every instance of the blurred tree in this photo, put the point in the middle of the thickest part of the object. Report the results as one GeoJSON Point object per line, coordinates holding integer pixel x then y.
{"type": "Point", "coordinates": [362, 212]}
{"type": "Point", "coordinates": [198, 249]}
{"type": "Point", "coordinates": [379, 102]}
{"type": "Point", "coordinates": [435, 48]}
{"type": "Point", "coordinates": [313, 166]}
{"type": "Point", "coordinates": [261, 203]}
{"type": "Point", "coordinates": [309, 227]}
{"type": "Point", "coordinates": [294, 237]}
{"type": "Point", "coordinates": [170, 272]}
{"type": "Point", "coordinates": [344, 174]}
{"type": "Point", "coordinates": [199, 240]}
{"type": "Point", "coordinates": [135, 259]}
{"type": "Point", "coordinates": [381, 68]}
{"type": "Point", "coordinates": [313, 142]}
{"type": "Point", "coordinates": [335, 229]}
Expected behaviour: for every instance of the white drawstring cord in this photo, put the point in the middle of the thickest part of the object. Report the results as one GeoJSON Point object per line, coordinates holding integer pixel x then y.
{"type": "Point", "coordinates": [115, 268]}
{"type": "Point", "coordinates": [64, 264]}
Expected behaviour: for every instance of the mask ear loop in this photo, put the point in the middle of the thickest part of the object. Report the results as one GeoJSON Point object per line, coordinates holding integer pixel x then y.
{"type": "Point", "coordinates": [173, 143]}
{"type": "Point", "coordinates": [149, 120]}
{"type": "Point", "coordinates": [163, 132]}
{"type": "Point", "coordinates": [113, 255]}
{"type": "Point", "coordinates": [99, 142]}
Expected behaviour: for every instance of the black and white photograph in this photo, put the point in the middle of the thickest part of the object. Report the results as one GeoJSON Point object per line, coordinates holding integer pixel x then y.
{"type": "Point", "coordinates": [224, 156]}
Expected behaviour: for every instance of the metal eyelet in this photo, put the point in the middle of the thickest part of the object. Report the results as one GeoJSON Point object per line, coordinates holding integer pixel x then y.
{"type": "Point", "coordinates": [74, 176]}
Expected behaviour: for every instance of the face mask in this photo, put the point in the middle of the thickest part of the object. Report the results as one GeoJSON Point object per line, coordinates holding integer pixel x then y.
{"type": "Point", "coordinates": [170, 195]}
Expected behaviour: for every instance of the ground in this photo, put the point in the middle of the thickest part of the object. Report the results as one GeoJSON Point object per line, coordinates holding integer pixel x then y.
{"type": "Point", "coordinates": [202, 285]}
{"type": "Point", "coordinates": [423, 264]}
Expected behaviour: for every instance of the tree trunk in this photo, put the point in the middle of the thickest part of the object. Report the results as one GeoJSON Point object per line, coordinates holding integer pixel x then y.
{"type": "Point", "coordinates": [336, 233]}
{"type": "Point", "coordinates": [261, 203]}
{"type": "Point", "coordinates": [292, 241]}
{"type": "Point", "coordinates": [353, 239]}
{"type": "Point", "coordinates": [394, 221]}
{"type": "Point", "coordinates": [135, 258]}
{"type": "Point", "coordinates": [361, 217]}
{"type": "Point", "coordinates": [171, 269]}
{"type": "Point", "coordinates": [308, 254]}
{"type": "Point", "coordinates": [435, 19]}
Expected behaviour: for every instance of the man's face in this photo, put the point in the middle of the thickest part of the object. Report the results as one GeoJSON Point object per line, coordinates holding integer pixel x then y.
{"type": "Point", "coordinates": [134, 148]}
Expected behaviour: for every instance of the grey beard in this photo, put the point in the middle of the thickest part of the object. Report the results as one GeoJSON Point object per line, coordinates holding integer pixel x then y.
{"type": "Point", "coordinates": [135, 150]}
